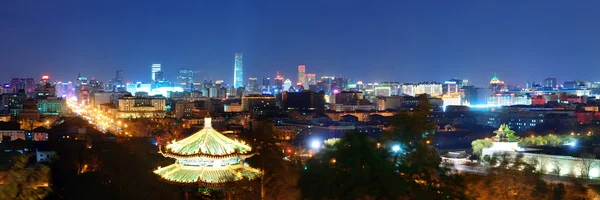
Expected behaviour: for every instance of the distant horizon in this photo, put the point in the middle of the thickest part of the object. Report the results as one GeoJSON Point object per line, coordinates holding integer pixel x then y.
{"type": "Point", "coordinates": [373, 41]}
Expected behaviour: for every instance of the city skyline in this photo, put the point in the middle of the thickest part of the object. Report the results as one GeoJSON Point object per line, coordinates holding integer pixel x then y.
{"type": "Point", "coordinates": [446, 39]}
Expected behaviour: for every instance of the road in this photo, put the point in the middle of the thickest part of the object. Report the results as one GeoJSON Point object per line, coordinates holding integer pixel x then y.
{"type": "Point", "coordinates": [100, 120]}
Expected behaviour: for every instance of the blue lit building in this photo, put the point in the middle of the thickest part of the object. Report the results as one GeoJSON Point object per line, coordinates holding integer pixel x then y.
{"type": "Point", "coordinates": [238, 72]}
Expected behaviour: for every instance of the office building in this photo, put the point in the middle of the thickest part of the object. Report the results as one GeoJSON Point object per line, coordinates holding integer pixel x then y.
{"type": "Point", "coordinates": [287, 85]}
{"type": "Point", "coordinates": [252, 85]}
{"type": "Point", "coordinates": [278, 83]}
{"type": "Point", "coordinates": [141, 107]}
{"type": "Point", "coordinates": [186, 79]}
{"type": "Point", "coordinates": [25, 84]}
{"type": "Point", "coordinates": [433, 89]}
{"type": "Point", "coordinates": [52, 106]}
{"type": "Point", "coordinates": [550, 83]}
{"type": "Point", "coordinates": [497, 86]}
{"type": "Point", "coordinates": [266, 84]}
{"type": "Point", "coordinates": [303, 101]}
{"type": "Point", "coordinates": [155, 68]}
{"type": "Point", "coordinates": [301, 71]}
{"type": "Point", "coordinates": [238, 71]}
{"type": "Point", "coordinates": [310, 79]}
{"type": "Point", "coordinates": [159, 76]}
{"type": "Point", "coordinates": [257, 103]}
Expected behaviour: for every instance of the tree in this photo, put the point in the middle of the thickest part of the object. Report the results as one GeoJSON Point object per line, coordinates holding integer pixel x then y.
{"type": "Point", "coordinates": [356, 169]}
{"type": "Point", "coordinates": [516, 181]}
{"type": "Point", "coordinates": [280, 177]}
{"type": "Point", "coordinates": [479, 145]}
{"type": "Point", "coordinates": [419, 163]}
{"type": "Point", "coordinates": [556, 167]}
{"type": "Point", "coordinates": [24, 180]}
{"type": "Point", "coordinates": [585, 164]}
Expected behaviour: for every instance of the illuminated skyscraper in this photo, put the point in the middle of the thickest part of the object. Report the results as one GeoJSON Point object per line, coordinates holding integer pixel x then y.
{"type": "Point", "coordinates": [301, 71]}
{"type": "Point", "coordinates": [119, 76]}
{"type": "Point", "coordinates": [155, 68]}
{"type": "Point", "coordinates": [252, 85]}
{"type": "Point", "coordinates": [278, 82]}
{"type": "Point", "coordinates": [186, 79]}
{"type": "Point", "coordinates": [238, 71]}
{"type": "Point", "coordinates": [310, 79]}
{"type": "Point", "coordinates": [287, 84]}
{"type": "Point", "coordinates": [266, 83]}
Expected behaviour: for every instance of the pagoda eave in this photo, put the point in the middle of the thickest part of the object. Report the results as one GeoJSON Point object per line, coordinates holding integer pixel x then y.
{"type": "Point", "coordinates": [167, 153]}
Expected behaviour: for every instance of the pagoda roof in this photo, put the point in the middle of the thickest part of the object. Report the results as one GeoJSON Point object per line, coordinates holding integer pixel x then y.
{"type": "Point", "coordinates": [206, 142]}
{"type": "Point", "coordinates": [206, 176]}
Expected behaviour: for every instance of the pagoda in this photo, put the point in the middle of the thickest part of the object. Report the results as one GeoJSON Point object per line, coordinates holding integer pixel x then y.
{"type": "Point", "coordinates": [208, 159]}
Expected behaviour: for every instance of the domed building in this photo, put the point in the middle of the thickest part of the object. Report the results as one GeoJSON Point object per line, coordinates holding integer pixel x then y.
{"type": "Point", "coordinates": [497, 86]}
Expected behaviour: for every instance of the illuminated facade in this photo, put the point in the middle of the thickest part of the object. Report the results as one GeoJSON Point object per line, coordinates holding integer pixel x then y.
{"type": "Point", "coordinates": [186, 79]}
{"type": "Point", "coordinates": [207, 158]}
{"type": "Point", "coordinates": [141, 107]}
{"type": "Point", "coordinates": [155, 69]}
{"type": "Point", "coordinates": [311, 79]}
{"type": "Point", "coordinates": [433, 89]}
{"type": "Point", "coordinates": [497, 86]}
{"type": "Point", "coordinates": [238, 71]}
{"type": "Point", "coordinates": [301, 71]}
{"type": "Point", "coordinates": [508, 100]}
{"type": "Point", "coordinates": [257, 102]}
{"type": "Point", "coordinates": [543, 163]}
{"type": "Point", "coordinates": [52, 106]}
{"type": "Point", "coordinates": [287, 84]}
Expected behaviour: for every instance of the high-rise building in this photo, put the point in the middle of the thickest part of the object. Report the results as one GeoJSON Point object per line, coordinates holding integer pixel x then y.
{"type": "Point", "coordinates": [155, 68]}
{"type": "Point", "coordinates": [119, 76]}
{"type": "Point", "coordinates": [266, 83]}
{"type": "Point", "coordinates": [287, 84]}
{"type": "Point", "coordinates": [311, 79]}
{"type": "Point", "coordinates": [159, 76]}
{"type": "Point", "coordinates": [45, 79]}
{"type": "Point", "coordinates": [497, 86]}
{"type": "Point", "coordinates": [301, 71]}
{"type": "Point", "coordinates": [238, 71]}
{"type": "Point", "coordinates": [186, 79]}
{"type": "Point", "coordinates": [252, 85]}
{"type": "Point", "coordinates": [278, 82]}
{"type": "Point", "coordinates": [550, 82]}
{"type": "Point", "coordinates": [25, 84]}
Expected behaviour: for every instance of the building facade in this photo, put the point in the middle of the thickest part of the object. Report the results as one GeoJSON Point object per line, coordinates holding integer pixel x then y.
{"type": "Point", "coordinates": [238, 71]}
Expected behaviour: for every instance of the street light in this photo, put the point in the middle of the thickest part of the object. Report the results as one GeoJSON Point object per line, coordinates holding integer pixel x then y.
{"type": "Point", "coordinates": [315, 144]}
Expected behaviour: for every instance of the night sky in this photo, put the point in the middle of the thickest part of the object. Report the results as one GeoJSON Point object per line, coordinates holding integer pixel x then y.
{"type": "Point", "coordinates": [405, 41]}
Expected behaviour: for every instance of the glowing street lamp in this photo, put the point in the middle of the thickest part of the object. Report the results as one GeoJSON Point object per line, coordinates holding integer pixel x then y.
{"type": "Point", "coordinates": [396, 148]}
{"type": "Point", "coordinates": [315, 144]}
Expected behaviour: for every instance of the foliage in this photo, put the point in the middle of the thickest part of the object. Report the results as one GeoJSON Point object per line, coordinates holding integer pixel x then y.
{"type": "Point", "coordinates": [280, 177]}
{"type": "Point", "coordinates": [356, 169]}
{"type": "Point", "coordinates": [479, 145]}
{"type": "Point", "coordinates": [24, 180]}
{"type": "Point", "coordinates": [550, 140]}
{"type": "Point", "coordinates": [413, 127]}
{"type": "Point", "coordinates": [585, 164]}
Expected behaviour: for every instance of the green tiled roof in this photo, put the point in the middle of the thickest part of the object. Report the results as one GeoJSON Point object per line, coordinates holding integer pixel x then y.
{"type": "Point", "coordinates": [207, 141]}
{"type": "Point", "coordinates": [191, 174]}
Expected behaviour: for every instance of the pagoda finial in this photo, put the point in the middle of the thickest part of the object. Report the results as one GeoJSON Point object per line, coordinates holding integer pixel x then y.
{"type": "Point", "coordinates": [207, 122]}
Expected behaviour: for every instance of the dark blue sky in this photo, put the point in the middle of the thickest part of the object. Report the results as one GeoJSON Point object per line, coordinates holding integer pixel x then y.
{"type": "Point", "coordinates": [405, 41]}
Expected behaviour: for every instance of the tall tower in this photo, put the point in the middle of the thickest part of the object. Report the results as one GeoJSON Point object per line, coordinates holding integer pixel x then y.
{"type": "Point", "coordinates": [238, 71]}
{"type": "Point", "coordinates": [119, 76]}
{"type": "Point", "coordinates": [301, 70]}
{"type": "Point", "coordinates": [155, 68]}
